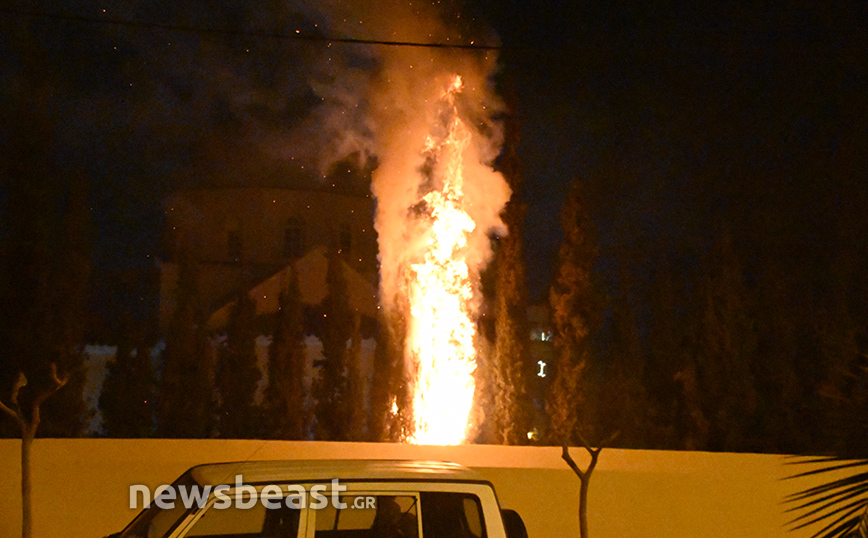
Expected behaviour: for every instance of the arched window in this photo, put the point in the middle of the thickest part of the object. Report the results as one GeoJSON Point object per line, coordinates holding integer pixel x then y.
{"type": "Point", "coordinates": [293, 238]}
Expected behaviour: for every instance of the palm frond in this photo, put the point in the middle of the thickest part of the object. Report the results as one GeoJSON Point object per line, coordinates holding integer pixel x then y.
{"type": "Point", "coordinates": [840, 505]}
{"type": "Point", "coordinates": [862, 531]}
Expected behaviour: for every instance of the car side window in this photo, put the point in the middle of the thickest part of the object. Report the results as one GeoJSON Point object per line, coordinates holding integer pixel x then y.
{"type": "Point", "coordinates": [278, 520]}
{"type": "Point", "coordinates": [451, 515]}
{"type": "Point", "coordinates": [157, 521]}
{"type": "Point", "coordinates": [369, 516]}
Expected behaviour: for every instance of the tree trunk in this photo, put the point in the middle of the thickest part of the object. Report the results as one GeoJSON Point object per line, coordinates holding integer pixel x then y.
{"type": "Point", "coordinates": [584, 477]}
{"type": "Point", "coordinates": [26, 488]}
{"type": "Point", "coordinates": [583, 506]}
{"type": "Point", "coordinates": [28, 433]}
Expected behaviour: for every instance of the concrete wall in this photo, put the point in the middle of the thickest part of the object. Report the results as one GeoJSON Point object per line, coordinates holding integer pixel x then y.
{"type": "Point", "coordinates": [81, 485]}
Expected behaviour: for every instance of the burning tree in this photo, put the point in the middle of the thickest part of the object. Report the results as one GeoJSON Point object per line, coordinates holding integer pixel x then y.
{"type": "Point", "coordinates": [436, 275]}
{"type": "Point", "coordinates": [441, 292]}
{"type": "Point", "coordinates": [430, 117]}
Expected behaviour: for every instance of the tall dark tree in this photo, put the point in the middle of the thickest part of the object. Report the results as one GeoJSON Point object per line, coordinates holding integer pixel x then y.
{"type": "Point", "coordinates": [66, 414]}
{"type": "Point", "coordinates": [844, 389]}
{"type": "Point", "coordinates": [187, 378]}
{"type": "Point", "coordinates": [483, 415]}
{"type": "Point", "coordinates": [238, 374]}
{"type": "Point", "coordinates": [388, 386]}
{"type": "Point", "coordinates": [783, 396]}
{"type": "Point", "coordinates": [573, 303]}
{"type": "Point", "coordinates": [622, 400]}
{"type": "Point", "coordinates": [128, 395]}
{"type": "Point", "coordinates": [44, 257]}
{"type": "Point", "coordinates": [330, 384]}
{"type": "Point", "coordinates": [513, 368]}
{"type": "Point", "coordinates": [380, 394]}
{"type": "Point", "coordinates": [669, 412]}
{"type": "Point", "coordinates": [287, 414]}
{"type": "Point", "coordinates": [357, 408]}
{"type": "Point", "coordinates": [726, 350]}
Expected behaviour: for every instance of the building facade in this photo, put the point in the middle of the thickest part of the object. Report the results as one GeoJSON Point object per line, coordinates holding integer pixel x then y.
{"type": "Point", "coordinates": [240, 237]}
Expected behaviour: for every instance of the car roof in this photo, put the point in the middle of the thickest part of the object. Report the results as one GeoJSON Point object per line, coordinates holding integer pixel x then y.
{"type": "Point", "coordinates": [261, 472]}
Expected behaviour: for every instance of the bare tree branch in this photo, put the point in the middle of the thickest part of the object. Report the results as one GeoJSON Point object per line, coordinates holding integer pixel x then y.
{"type": "Point", "coordinates": [59, 382]}
{"type": "Point", "coordinates": [28, 433]}
{"type": "Point", "coordinates": [584, 476]}
{"type": "Point", "coordinates": [15, 411]}
{"type": "Point", "coordinates": [565, 455]}
{"type": "Point", "coordinates": [9, 411]}
{"type": "Point", "coordinates": [20, 382]}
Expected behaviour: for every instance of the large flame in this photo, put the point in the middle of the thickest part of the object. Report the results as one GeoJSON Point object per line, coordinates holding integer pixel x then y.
{"type": "Point", "coordinates": [441, 332]}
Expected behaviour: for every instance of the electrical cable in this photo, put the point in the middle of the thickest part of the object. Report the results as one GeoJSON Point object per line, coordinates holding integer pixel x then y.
{"type": "Point", "coordinates": [242, 33]}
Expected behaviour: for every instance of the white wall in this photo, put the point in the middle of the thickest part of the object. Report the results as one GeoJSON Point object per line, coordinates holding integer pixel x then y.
{"type": "Point", "coordinates": [81, 485]}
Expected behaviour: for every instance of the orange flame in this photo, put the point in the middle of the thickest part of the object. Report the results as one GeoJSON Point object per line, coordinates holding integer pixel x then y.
{"type": "Point", "coordinates": [441, 332]}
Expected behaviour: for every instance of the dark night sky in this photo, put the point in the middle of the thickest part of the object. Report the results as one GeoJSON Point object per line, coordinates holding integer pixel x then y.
{"type": "Point", "coordinates": [680, 118]}
{"type": "Point", "coordinates": [685, 117]}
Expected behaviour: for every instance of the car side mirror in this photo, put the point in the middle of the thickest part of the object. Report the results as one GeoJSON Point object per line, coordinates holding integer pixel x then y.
{"type": "Point", "coordinates": [513, 524]}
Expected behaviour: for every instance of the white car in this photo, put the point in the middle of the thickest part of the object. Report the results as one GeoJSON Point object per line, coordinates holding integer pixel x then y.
{"type": "Point", "coordinates": [325, 499]}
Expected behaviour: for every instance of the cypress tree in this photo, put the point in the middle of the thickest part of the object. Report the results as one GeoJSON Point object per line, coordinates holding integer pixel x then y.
{"type": "Point", "coordinates": [356, 384]}
{"type": "Point", "coordinates": [128, 394]}
{"type": "Point", "coordinates": [573, 306]}
{"type": "Point", "coordinates": [331, 384]}
{"type": "Point", "coordinates": [238, 374]}
{"type": "Point", "coordinates": [287, 415]}
{"type": "Point", "coordinates": [186, 383]}
{"type": "Point", "coordinates": [513, 408]}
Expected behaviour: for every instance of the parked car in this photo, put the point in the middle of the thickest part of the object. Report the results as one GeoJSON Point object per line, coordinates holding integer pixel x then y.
{"type": "Point", "coordinates": [325, 499]}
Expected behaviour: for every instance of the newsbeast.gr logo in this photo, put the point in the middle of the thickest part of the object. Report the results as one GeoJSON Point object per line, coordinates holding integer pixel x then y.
{"type": "Point", "coordinates": [244, 496]}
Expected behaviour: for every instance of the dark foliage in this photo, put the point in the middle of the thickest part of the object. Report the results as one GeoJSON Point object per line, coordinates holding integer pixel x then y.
{"type": "Point", "coordinates": [569, 402]}
{"type": "Point", "coordinates": [187, 378]}
{"type": "Point", "coordinates": [287, 412]}
{"type": "Point", "coordinates": [238, 374]}
{"type": "Point", "coordinates": [332, 408]}
{"type": "Point", "coordinates": [128, 397]}
{"type": "Point", "coordinates": [44, 259]}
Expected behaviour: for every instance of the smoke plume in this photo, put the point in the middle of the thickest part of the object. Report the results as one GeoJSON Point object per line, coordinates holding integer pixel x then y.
{"type": "Point", "coordinates": [381, 102]}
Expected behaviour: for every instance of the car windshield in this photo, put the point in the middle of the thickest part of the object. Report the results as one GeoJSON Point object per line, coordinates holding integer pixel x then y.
{"type": "Point", "coordinates": [156, 522]}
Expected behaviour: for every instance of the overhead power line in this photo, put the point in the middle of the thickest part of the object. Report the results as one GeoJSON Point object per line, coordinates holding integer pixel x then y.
{"type": "Point", "coordinates": [297, 35]}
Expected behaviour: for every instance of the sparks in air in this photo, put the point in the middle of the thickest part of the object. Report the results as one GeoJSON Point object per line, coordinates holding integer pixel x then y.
{"type": "Point", "coordinates": [442, 331]}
